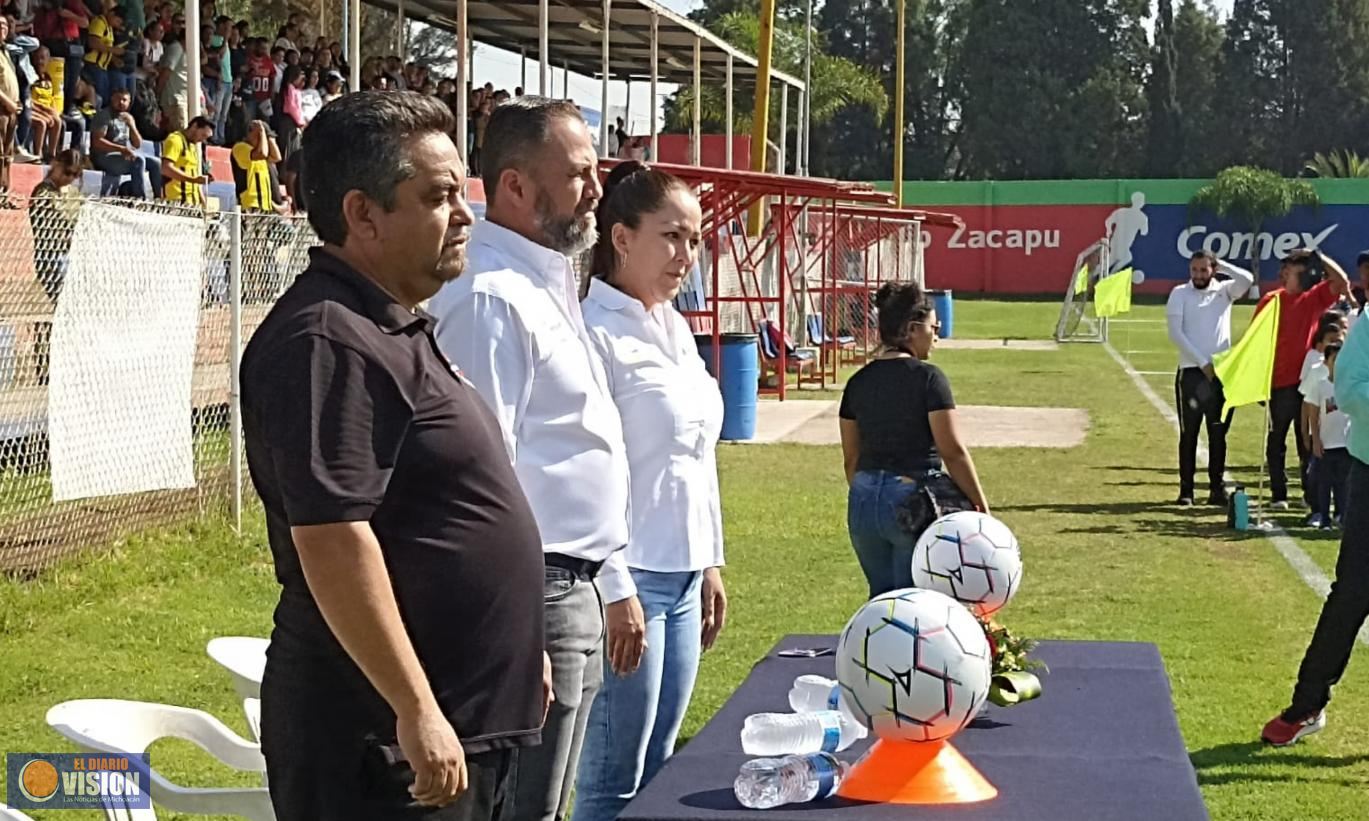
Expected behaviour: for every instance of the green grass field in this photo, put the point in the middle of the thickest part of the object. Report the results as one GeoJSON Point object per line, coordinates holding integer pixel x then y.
{"type": "Point", "coordinates": [1107, 557]}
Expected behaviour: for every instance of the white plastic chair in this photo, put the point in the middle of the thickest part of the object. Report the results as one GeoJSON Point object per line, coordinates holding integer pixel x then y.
{"type": "Point", "coordinates": [251, 707]}
{"type": "Point", "coordinates": [7, 814]}
{"type": "Point", "coordinates": [130, 727]}
{"type": "Point", "coordinates": [244, 658]}
{"type": "Point", "coordinates": [117, 809]}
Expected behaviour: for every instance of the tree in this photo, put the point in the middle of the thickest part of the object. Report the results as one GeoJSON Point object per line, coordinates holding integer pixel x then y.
{"type": "Point", "coordinates": [1253, 196]}
{"type": "Point", "coordinates": [1324, 76]}
{"type": "Point", "coordinates": [838, 83]}
{"type": "Point", "coordinates": [1197, 51]}
{"type": "Point", "coordinates": [1165, 135]}
{"type": "Point", "coordinates": [1065, 76]}
{"type": "Point", "coordinates": [1338, 165]}
{"type": "Point", "coordinates": [432, 47]}
{"type": "Point", "coordinates": [1249, 85]}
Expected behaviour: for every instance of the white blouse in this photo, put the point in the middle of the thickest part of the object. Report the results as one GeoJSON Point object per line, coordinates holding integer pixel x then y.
{"type": "Point", "coordinates": [672, 414]}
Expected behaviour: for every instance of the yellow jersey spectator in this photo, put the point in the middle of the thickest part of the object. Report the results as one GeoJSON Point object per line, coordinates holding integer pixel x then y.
{"type": "Point", "coordinates": [182, 167]}
{"type": "Point", "coordinates": [252, 159]}
{"type": "Point", "coordinates": [100, 38]}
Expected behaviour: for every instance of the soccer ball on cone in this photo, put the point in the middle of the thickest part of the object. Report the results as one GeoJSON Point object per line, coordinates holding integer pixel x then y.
{"type": "Point", "coordinates": [971, 557]}
{"type": "Point", "coordinates": [914, 665]}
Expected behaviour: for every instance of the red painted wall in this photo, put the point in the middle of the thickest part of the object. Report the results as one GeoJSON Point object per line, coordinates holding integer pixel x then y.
{"type": "Point", "coordinates": [1030, 240]}
{"type": "Point", "coordinates": [674, 148]}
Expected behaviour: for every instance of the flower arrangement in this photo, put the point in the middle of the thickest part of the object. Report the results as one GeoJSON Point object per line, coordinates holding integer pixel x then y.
{"type": "Point", "coordinates": [1013, 680]}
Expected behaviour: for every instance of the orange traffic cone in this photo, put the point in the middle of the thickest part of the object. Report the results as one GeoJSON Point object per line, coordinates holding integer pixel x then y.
{"type": "Point", "coordinates": [905, 772]}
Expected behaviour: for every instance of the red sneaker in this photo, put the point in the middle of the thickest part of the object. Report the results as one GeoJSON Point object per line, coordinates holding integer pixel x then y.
{"type": "Point", "coordinates": [1281, 732]}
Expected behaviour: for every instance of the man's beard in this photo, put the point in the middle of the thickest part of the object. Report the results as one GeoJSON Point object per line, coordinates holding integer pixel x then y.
{"type": "Point", "coordinates": [452, 264]}
{"type": "Point", "coordinates": [570, 235]}
{"type": "Point", "coordinates": [1202, 286]}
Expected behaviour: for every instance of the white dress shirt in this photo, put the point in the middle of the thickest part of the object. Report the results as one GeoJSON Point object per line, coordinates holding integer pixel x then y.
{"type": "Point", "coordinates": [1310, 360]}
{"type": "Point", "coordinates": [1200, 319]}
{"type": "Point", "coordinates": [672, 415]}
{"type": "Point", "coordinates": [512, 324]}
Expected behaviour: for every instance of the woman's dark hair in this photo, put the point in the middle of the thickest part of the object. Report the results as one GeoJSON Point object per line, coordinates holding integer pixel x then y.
{"type": "Point", "coordinates": [1325, 329]}
{"type": "Point", "coordinates": [631, 189]}
{"type": "Point", "coordinates": [1329, 322]}
{"type": "Point", "coordinates": [71, 159]}
{"type": "Point", "coordinates": [900, 304]}
{"type": "Point", "coordinates": [1330, 352]}
{"type": "Point", "coordinates": [289, 76]}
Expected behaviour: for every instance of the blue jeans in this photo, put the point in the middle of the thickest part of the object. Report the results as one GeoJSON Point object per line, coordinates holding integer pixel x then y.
{"type": "Point", "coordinates": [574, 620]}
{"type": "Point", "coordinates": [115, 166]}
{"type": "Point", "coordinates": [884, 549]}
{"type": "Point", "coordinates": [218, 93]}
{"type": "Point", "coordinates": [636, 718]}
{"type": "Point", "coordinates": [99, 78]}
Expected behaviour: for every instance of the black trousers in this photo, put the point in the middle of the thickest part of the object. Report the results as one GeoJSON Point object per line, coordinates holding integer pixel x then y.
{"type": "Point", "coordinates": [1285, 410]}
{"type": "Point", "coordinates": [1345, 609]}
{"type": "Point", "coordinates": [1332, 479]}
{"type": "Point", "coordinates": [323, 765]}
{"type": "Point", "coordinates": [1200, 400]}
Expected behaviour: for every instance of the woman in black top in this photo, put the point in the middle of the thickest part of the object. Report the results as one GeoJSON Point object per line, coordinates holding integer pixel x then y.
{"type": "Point", "coordinates": [898, 427]}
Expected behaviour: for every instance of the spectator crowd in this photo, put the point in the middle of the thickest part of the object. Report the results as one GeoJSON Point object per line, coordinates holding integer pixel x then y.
{"type": "Point", "coordinates": [109, 79]}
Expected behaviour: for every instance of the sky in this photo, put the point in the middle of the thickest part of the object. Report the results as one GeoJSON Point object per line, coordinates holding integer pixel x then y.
{"type": "Point", "coordinates": [502, 68]}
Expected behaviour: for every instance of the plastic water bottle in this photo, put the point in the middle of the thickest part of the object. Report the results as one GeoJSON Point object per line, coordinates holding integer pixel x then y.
{"type": "Point", "coordinates": [795, 779]}
{"type": "Point", "coordinates": [1238, 509]}
{"type": "Point", "coordinates": [825, 731]}
{"type": "Point", "coordinates": [813, 693]}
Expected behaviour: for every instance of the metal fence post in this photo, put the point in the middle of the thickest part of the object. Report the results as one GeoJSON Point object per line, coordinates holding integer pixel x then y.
{"type": "Point", "coordinates": [235, 362]}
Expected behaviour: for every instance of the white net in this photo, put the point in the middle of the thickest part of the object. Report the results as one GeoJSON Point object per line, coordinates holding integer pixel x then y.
{"type": "Point", "coordinates": [1076, 322]}
{"type": "Point", "coordinates": [115, 363]}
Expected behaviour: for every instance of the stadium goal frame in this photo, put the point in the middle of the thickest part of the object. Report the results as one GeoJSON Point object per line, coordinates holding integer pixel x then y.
{"type": "Point", "coordinates": [1076, 324]}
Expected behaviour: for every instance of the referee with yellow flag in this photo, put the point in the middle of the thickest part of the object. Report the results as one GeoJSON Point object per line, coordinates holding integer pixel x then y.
{"type": "Point", "coordinates": [1198, 315]}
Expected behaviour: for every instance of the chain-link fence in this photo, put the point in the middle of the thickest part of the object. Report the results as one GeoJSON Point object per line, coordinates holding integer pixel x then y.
{"type": "Point", "coordinates": [117, 322]}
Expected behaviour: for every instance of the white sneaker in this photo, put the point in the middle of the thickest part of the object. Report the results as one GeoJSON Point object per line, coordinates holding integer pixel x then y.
{"type": "Point", "coordinates": [1282, 504]}
{"type": "Point", "coordinates": [22, 156]}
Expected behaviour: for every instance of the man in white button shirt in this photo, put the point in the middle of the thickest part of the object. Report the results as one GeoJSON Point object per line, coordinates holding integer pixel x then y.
{"type": "Point", "coordinates": [513, 326]}
{"type": "Point", "coordinates": [1199, 317]}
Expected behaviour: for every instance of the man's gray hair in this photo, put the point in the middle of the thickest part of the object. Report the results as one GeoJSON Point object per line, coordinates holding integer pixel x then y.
{"type": "Point", "coordinates": [517, 129]}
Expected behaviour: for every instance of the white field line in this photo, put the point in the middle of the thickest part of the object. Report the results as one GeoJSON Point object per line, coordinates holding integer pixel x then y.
{"type": "Point", "coordinates": [1296, 557]}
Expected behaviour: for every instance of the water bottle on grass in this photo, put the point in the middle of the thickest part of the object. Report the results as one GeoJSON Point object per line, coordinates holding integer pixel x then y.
{"type": "Point", "coordinates": [824, 731]}
{"type": "Point", "coordinates": [795, 779]}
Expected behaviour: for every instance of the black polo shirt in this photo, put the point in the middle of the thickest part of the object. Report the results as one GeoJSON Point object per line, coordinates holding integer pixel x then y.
{"type": "Point", "coordinates": [351, 413]}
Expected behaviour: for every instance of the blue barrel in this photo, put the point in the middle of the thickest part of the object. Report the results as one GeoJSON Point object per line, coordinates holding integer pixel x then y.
{"type": "Point", "coordinates": [945, 311]}
{"type": "Point", "coordinates": [741, 374]}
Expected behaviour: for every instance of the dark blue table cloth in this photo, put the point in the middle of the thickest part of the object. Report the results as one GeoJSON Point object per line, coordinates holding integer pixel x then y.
{"type": "Point", "coordinates": [1101, 744]}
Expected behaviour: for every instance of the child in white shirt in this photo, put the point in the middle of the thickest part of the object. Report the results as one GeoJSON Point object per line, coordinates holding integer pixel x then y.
{"type": "Point", "coordinates": [1330, 331]}
{"type": "Point", "coordinates": [1330, 435]}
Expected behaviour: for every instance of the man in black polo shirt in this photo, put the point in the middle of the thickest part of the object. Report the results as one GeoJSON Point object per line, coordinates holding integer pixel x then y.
{"type": "Point", "coordinates": [406, 666]}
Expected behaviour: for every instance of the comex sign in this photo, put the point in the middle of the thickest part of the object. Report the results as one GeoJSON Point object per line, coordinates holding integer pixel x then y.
{"type": "Point", "coordinates": [1239, 246]}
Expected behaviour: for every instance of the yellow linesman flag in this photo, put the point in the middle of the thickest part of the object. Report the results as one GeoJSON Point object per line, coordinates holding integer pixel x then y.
{"type": "Point", "coordinates": [1081, 280]}
{"type": "Point", "coordinates": [1247, 370]}
{"type": "Point", "coordinates": [1112, 294]}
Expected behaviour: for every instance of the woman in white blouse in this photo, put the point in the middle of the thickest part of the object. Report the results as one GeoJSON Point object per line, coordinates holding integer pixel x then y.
{"type": "Point", "coordinates": [649, 231]}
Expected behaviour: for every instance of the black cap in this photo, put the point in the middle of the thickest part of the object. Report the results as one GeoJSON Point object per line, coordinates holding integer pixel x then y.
{"type": "Point", "coordinates": [1363, 258]}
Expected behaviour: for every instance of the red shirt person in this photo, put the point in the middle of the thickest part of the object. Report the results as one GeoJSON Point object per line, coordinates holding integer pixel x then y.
{"type": "Point", "coordinates": [1312, 282]}
{"type": "Point", "coordinates": [261, 77]}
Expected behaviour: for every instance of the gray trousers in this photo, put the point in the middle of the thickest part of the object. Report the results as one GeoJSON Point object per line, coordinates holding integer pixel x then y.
{"type": "Point", "coordinates": [574, 623]}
